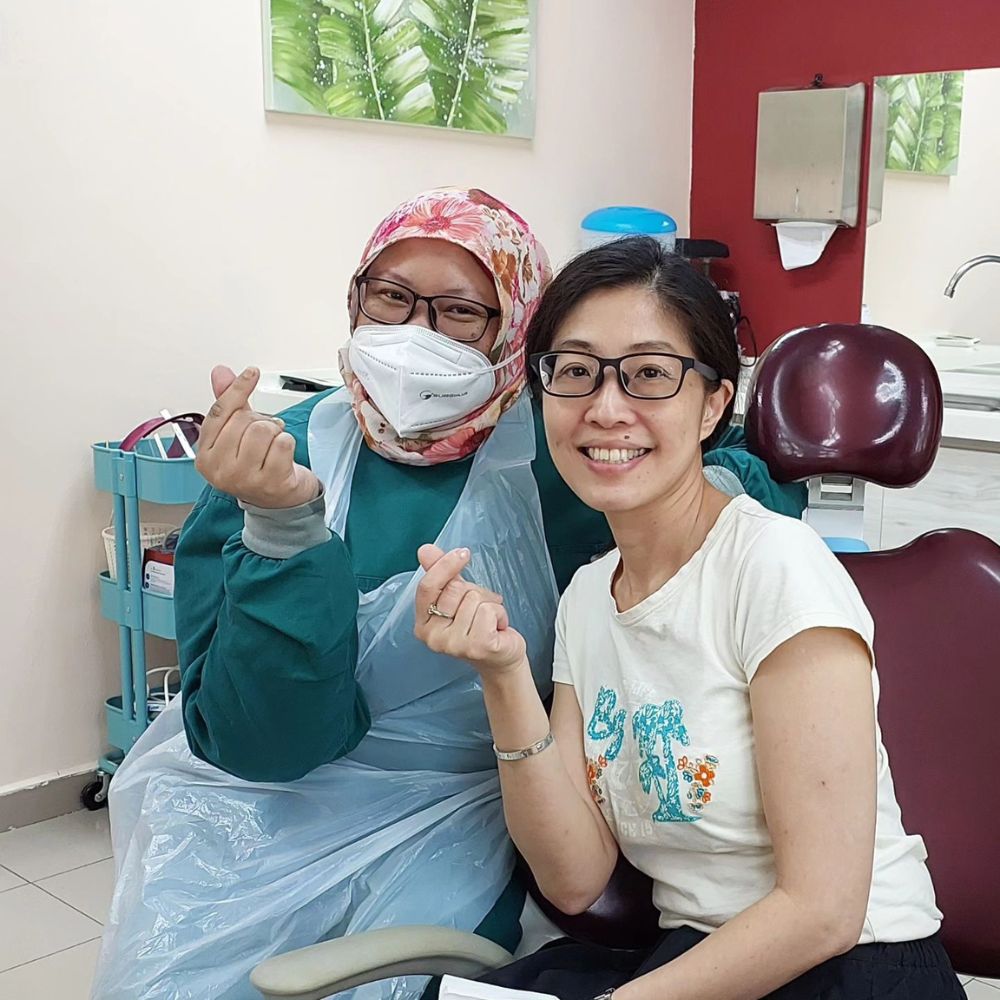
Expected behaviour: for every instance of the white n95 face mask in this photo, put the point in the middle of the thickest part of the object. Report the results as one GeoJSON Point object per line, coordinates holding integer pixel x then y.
{"type": "Point", "coordinates": [420, 380]}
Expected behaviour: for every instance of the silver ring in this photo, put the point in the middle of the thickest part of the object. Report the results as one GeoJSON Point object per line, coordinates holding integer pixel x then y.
{"type": "Point", "coordinates": [433, 611]}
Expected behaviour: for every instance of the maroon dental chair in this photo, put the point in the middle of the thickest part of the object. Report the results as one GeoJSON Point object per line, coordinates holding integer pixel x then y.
{"type": "Point", "coordinates": [839, 402]}
{"type": "Point", "coordinates": [866, 402]}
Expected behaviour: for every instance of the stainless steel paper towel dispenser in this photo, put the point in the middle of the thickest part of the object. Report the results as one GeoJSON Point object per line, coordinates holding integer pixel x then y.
{"type": "Point", "coordinates": [809, 154]}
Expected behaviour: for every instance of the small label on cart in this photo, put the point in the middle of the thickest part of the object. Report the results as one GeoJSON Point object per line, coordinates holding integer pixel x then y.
{"type": "Point", "coordinates": [158, 578]}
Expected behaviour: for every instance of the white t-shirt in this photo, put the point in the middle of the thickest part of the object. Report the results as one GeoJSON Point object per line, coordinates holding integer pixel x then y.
{"type": "Point", "coordinates": [664, 689]}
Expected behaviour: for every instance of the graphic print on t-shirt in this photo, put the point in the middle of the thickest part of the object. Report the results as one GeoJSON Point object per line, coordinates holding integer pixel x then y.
{"type": "Point", "coordinates": [606, 723]}
{"type": "Point", "coordinates": [655, 728]}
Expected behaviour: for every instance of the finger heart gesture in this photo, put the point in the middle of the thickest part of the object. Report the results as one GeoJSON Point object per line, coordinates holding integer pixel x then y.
{"type": "Point", "coordinates": [460, 619]}
{"type": "Point", "coordinates": [248, 454]}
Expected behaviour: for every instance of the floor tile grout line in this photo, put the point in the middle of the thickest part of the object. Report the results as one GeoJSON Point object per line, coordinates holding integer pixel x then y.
{"type": "Point", "coordinates": [41, 958]}
{"type": "Point", "coordinates": [79, 868]}
{"type": "Point", "coordinates": [9, 872]}
{"type": "Point", "coordinates": [100, 923]}
{"type": "Point", "coordinates": [29, 881]}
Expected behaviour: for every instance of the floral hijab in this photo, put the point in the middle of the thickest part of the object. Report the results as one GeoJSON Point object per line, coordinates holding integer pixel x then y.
{"type": "Point", "coordinates": [502, 242]}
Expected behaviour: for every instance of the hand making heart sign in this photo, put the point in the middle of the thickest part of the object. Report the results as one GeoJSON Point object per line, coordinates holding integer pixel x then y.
{"type": "Point", "coordinates": [247, 454]}
{"type": "Point", "coordinates": [459, 619]}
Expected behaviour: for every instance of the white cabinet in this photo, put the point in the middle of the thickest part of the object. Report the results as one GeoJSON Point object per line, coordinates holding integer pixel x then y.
{"type": "Point", "coordinates": [962, 490]}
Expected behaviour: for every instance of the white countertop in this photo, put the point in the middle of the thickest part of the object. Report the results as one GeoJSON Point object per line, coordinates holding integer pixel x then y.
{"type": "Point", "coordinates": [972, 372]}
{"type": "Point", "coordinates": [948, 359]}
{"type": "Point", "coordinates": [270, 398]}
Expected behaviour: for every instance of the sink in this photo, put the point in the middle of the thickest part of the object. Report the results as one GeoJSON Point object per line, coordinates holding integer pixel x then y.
{"type": "Point", "coordinates": [970, 383]}
{"type": "Point", "coordinates": [975, 403]}
{"type": "Point", "coordinates": [990, 369]}
{"type": "Point", "coordinates": [981, 358]}
{"type": "Point", "coordinates": [975, 388]}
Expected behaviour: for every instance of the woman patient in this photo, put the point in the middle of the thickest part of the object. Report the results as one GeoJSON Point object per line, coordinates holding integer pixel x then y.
{"type": "Point", "coordinates": [714, 710]}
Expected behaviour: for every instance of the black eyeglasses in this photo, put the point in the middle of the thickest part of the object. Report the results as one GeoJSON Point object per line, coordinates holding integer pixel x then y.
{"type": "Point", "coordinates": [643, 376]}
{"type": "Point", "coordinates": [394, 304]}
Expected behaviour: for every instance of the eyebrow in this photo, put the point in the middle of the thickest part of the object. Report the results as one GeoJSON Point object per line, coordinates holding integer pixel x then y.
{"type": "Point", "coordinates": [459, 292]}
{"type": "Point", "coordinates": [642, 345]}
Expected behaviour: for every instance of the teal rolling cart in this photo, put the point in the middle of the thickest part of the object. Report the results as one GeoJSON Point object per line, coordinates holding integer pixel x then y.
{"type": "Point", "coordinates": [131, 476]}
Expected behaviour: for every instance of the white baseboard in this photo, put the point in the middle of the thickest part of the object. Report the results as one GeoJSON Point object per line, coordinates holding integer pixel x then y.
{"type": "Point", "coordinates": [44, 797]}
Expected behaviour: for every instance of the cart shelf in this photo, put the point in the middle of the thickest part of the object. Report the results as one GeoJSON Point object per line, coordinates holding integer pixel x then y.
{"type": "Point", "coordinates": [132, 477]}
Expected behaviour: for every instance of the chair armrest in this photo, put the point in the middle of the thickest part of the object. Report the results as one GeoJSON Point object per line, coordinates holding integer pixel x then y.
{"type": "Point", "coordinates": [316, 972]}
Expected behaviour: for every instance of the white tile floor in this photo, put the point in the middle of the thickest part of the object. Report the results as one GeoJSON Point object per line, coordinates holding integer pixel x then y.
{"type": "Point", "coordinates": [55, 888]}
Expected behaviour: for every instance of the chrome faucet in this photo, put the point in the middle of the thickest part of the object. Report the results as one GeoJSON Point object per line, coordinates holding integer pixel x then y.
{"type": "Point", "coordinates": [965, 268]}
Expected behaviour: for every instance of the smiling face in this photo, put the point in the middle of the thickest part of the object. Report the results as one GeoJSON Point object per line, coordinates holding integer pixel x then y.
{"type": "Point", "coordinates": [618, 453]}
{"type": "Point", "coordinates": [435, 267]}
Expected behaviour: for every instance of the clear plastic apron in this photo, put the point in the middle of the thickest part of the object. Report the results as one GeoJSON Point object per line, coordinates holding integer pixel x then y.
{"type": "Point", "coordinates": [216, 874]}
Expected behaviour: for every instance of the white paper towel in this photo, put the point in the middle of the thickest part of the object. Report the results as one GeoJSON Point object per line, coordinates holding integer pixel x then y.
{"type": "Point", "coordinates": [456, 988]}
{"type": "Point", "coordinates": [801, 243]}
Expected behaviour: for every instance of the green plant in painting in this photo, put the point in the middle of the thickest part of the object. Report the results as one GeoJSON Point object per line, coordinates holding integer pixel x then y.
{"type": "Point", "coordinates": [453, 63]}
{"type": "Point", "coordinates": [379, 69]}
{"type": "Point", "coordinates": [353, 58]}
{"type": "Point", "coordinates": [925, 119]}
{"type": "Point", "coordinates": [479, 52]}
{"type": "Point", "coordinates": [295, 57]}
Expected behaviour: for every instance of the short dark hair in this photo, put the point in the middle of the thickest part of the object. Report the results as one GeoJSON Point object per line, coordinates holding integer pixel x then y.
{"type": "Point", "coordinates": [682, 292]}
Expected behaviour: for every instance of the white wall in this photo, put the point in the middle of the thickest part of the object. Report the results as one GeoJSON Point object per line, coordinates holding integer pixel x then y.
{"type": "Point", "coordinates": [930, 225]}
{"type": "Point", "coordinates": [154, 221]}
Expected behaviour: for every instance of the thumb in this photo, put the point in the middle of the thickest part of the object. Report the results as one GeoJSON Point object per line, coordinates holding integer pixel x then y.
{"type": "Point", "coordinates": [222, 378]}
{"type": "Point", "coordinates": [429, 555]}
{"type": "Point", "coordinates": [503, 620]}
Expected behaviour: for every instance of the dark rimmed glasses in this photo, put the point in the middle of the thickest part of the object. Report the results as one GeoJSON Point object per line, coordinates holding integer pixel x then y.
{"type": "Point", "coordinates": [642, 376]}
{"type": "Point", "coordinates": [394, 304]}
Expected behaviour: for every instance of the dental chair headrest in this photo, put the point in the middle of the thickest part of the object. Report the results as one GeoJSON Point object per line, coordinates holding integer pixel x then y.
{"type": "Point", "coordinates": [845, 399]}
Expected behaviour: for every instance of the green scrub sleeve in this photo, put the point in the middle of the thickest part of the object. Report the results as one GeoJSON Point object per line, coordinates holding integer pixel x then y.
{"type": "Point", "coordinates": [731, 453]}
{"type": "Point", "coordinates": [267, 648]}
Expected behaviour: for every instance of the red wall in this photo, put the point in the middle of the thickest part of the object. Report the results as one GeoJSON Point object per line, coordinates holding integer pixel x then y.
{"type": "Point", "coordinates": [746, 46]}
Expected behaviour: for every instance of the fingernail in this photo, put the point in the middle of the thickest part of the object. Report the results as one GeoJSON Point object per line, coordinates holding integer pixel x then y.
{"type": "Point", "coordinates": [249, 373]}
{"type": "Point", "coordinates": [463, 553]}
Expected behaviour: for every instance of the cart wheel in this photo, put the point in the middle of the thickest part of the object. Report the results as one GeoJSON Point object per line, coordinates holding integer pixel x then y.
{"type": "Point", "coordinates": [95, 795]}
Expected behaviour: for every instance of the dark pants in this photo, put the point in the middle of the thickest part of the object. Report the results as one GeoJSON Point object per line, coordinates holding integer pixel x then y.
{"type": "Point", "coordinates": [913, 970]}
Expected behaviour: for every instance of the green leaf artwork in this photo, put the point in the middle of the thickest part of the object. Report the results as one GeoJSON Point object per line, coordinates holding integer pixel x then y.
{"type": "Point", "coordinates": [459, 64]}
{"type": "Point", "coordinates": [925, 121]}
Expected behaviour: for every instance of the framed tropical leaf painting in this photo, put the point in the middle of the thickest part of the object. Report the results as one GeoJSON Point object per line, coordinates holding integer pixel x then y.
{"type": "Point", "coordinates": [925, 122]}
{"type": "Point", "coordinates": [459, 64]}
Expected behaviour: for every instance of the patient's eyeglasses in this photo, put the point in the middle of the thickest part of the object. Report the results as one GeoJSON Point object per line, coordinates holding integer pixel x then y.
{"type": "Point", "coordinates": [642, 376]}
